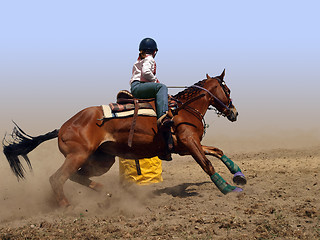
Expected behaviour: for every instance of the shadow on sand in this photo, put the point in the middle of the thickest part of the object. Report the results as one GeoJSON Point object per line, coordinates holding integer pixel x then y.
{"type": "Point", "coordinates": [181, 190]}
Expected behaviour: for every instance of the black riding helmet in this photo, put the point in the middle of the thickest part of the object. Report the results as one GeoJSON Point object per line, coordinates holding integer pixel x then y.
{"type": "Point", "coordinates": [148, 45]}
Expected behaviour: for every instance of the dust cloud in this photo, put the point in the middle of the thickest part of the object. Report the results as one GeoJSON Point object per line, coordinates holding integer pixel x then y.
{"type": "Point", "coordinates": [33, 196]}
{"type": "Point", "coordinates": [258, 147]}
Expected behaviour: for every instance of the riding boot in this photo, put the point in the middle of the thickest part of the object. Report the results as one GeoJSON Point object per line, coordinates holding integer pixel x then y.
{"type": "Point", "coordinates": [165, 120]}
{"type": "Point", "coordinates": [164, 125]}
{"type": "Point", "coordinates": [167, 136]}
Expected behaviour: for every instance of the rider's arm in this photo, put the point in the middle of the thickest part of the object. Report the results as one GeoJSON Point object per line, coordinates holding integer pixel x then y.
{"type": "Point", "coordinates": [148, 68]}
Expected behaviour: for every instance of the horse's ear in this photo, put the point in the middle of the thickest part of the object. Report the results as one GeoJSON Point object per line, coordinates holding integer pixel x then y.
{"type": "Point", "coordinates": [222, 74]}
{"type": "Point", "coordinates": [208, 76]}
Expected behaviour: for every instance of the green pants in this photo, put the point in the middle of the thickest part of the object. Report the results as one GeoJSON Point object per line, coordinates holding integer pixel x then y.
{"type": "Point", "coordinates": [158, 91]}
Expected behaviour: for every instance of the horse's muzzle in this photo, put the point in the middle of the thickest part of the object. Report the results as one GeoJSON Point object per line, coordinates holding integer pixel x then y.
{"type": "Point", "coordinates": [233, 114]}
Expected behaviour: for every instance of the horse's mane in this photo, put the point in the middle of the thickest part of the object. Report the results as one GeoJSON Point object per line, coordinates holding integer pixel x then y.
{"type": "Point", "coordinates": [190, 91]}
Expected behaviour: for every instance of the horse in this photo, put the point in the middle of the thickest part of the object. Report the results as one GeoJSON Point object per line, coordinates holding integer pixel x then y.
{"type": "Point", "coordinates": [90, 143]}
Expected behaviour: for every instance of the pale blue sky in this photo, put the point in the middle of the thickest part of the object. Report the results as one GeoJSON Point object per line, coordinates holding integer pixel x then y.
{"type": "Point", "coordinates": [58, 57]}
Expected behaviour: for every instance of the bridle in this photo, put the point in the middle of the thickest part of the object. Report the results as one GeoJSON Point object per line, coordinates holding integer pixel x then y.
{"type": "Point", "coordinates": [227, 108]}
{"type": "Point", "coordinates": [201, 116]}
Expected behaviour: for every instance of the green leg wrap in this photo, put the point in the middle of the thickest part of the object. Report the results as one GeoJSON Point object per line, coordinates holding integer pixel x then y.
{"type": "Point", "coordinates": [230, 164]}
{"type": "Point", "coordinates": [223, 186]}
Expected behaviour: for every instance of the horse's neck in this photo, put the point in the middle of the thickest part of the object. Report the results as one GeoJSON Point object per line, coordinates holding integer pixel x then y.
{"type": "Point", "coordinates": [201, 105]}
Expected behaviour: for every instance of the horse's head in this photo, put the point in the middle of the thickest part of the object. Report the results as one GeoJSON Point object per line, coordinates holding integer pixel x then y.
{"type": "Point", "coordinates": [221, 97]}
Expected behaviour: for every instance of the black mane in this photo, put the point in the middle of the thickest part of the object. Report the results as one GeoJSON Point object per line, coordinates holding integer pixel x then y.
{"type": "Point", "coordinates": [190, 91]}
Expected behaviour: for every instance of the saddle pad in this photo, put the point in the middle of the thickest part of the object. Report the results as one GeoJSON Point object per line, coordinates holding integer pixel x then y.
{"type": "Point", "coordinates": [107, 112]}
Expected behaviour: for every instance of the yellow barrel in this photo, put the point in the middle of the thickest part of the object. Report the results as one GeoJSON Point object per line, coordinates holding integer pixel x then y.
{"type": "Point", "coordinates": [141, 171]}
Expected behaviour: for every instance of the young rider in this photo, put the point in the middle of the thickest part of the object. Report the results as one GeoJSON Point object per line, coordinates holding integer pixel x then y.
{"type": "Point", "coordinates": [144, 83]}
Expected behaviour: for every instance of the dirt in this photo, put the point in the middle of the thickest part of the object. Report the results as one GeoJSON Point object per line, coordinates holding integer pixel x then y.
{"type": "Point", "coordinates": [280, 200]}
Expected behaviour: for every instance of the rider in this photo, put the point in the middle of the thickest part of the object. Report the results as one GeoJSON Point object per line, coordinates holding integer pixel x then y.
{"type": "Point", "coordinates": [144, 83]}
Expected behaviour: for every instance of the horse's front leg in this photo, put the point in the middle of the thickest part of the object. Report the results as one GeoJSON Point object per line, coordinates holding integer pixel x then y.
{"type": "Point", "coordinates": [238, 176]}
{"type": "Point", "coordinates": [196, 150]}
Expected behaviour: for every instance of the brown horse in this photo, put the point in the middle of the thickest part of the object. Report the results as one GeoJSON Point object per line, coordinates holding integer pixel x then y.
{"type": "Point", "coordinates": [90, 144]}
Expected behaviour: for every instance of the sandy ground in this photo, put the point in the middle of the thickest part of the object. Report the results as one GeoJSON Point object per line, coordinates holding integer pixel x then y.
{"type": "Point", "coordinates": [280, 200]}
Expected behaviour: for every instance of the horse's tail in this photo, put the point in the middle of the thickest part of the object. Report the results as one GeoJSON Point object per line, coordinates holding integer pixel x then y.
{"type": "Point", "coordinates": [20, 145]}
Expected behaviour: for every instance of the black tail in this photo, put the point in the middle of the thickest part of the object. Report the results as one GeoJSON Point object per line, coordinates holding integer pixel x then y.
{"type": "Point", "coordinates": [20, 145]}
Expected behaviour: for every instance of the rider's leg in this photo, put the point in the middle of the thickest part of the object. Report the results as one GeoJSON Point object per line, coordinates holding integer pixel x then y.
{"type": "Point", "coordinates": [152, 90]}
{"type": "Point", "coordinates": [160, 92]}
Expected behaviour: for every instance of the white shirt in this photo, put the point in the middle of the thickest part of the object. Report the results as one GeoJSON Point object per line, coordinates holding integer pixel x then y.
{"type": "Point", "coordinates": [144, 70]}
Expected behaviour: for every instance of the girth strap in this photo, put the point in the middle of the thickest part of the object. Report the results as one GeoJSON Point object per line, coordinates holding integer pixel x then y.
{"type": "Point", "coordinates": [134, 121]}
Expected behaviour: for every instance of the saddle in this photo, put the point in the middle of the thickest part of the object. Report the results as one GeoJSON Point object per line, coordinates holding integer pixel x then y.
{"type": "Point", "coordinates": [126, 97]}
{"type": "Point", "coordinates": [126, 101]}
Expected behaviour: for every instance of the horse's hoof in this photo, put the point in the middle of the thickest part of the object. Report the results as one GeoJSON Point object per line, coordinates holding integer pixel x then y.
{"type": "Point", "coordinates": [237, 189]}
{"type": "Point", "coordinates": [96, 186]}
{"type": "Point", "coordinates": [64, 204]}
{"type": "Point", "coordinates": [239, 178]}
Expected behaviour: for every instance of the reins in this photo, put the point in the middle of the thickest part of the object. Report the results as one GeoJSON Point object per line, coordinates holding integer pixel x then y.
{"type": "Point", "coordinates": [213, 96]}
{"type": "Point", "coordinates": [175, 111]}
{"type": "Point", "coordinates": [202, 88]}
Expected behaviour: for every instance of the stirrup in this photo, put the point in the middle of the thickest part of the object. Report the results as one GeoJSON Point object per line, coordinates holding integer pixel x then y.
{"type": "Point", "coordinates": [165, 157]}
{"type": "Point", "coordinates": [165, 121]}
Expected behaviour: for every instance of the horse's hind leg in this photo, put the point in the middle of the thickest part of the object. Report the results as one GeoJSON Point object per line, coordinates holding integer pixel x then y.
{"type": "Point", "coordinates": [71, 164]}
{"type": "Point", "coordinates": [97, 165]}
{"type": "Point", "coordinates": [238, 176]}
